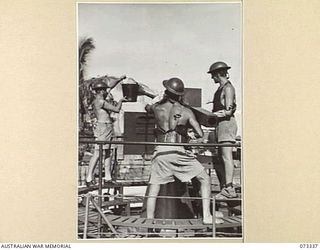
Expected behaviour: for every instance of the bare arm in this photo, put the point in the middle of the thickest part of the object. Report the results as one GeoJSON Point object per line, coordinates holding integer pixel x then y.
{"type": "Point", "coordinates": [229, 100]}
{"type": "Point", "coordinates": [113, 108]}
{"type": "Point", "coordinates": [145, 90]}
{"type": "Point", "coordinates": [149, 108]}
{"type": "Point", "coordinates": [229, 95]}
{"type": "Point", "coordinates": [195, 124]}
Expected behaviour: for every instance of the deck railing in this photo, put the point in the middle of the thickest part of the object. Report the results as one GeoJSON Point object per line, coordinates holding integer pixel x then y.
{"type": "Point", "coordinates": [100, 165]}
{"type": "Point", "coordinates": [90, 198]}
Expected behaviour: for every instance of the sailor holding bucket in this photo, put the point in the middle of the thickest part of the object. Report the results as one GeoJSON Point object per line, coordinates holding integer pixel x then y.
{"type": "Point", "coordinates": [103, 131]}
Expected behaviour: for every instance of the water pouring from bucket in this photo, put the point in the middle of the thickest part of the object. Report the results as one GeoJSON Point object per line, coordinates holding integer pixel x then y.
{"type": "Point", "coordinates": [114, 81]}
{"type": "Point", "coordinates": [132, 89]}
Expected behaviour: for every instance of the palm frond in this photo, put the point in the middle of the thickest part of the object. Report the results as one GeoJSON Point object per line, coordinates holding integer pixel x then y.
{"type": "Point", "coordinates": [86, 45]}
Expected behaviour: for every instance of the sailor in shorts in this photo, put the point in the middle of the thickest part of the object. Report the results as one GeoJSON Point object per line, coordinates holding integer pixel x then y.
{"type": "Point", "coordinates": [103, 130]}
{"type": "Point", "coordinates": [224, 106]}
{"type": "Point", "coordinates": [173, 119]}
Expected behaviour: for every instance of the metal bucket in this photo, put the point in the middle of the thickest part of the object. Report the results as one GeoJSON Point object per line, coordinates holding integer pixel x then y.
{"type": "Point", "coordinates": [130, 91]}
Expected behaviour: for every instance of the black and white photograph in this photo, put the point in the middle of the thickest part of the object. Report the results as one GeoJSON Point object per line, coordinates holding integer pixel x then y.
{"type": "Point", "coordinates": [160, 120]}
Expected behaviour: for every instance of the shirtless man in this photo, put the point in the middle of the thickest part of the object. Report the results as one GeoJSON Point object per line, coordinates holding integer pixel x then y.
{"type": "Point", "coordinates": [104, 128]}
{"type": "Point", "coordinates": [172, 119]}
{"type": "Point", "coordinates": [224, 106]}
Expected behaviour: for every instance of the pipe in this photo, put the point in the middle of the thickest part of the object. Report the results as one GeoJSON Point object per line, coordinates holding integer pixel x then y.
{"type": "Point", "coordinates": [163, 143]}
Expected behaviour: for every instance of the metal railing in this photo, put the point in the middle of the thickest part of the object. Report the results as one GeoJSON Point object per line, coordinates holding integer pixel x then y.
{"type": "Point", "coordinates": [90, 198]}
{"type": "Point", "coordinates": [100, 165]}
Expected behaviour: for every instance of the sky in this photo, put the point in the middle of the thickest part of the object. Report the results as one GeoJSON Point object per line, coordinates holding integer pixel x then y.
{"type": "Point", "coordinates": [154, 42]}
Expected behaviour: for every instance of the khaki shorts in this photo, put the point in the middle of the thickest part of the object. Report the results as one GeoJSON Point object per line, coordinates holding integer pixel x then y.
{"type": "Point", "coordinates": [226, 131]}
{"type": "Point", "coordinates": [103, 132]}
{"type": "Point", "coordinates": [169, 161]}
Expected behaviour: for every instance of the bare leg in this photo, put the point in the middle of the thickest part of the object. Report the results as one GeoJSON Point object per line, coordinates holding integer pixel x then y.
{"type": "Point", "coordinates": [204, 179]}
{"type": "Point", "coordinates": [92, 165]}
{"type": "Point", "coordinates": [151, 202]}
{"type": "Point", "coordinates": [226, 154]}
{"type": "Point", "coordinates": [108, 165]}
{"type": "Point", "coordinates": [218, 166]}
{"type": "Point", "coordinates": [220, 170]}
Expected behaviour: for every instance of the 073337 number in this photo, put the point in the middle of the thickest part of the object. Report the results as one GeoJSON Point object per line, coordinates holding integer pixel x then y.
{"type": "Point", "coordinates": [305, 245]}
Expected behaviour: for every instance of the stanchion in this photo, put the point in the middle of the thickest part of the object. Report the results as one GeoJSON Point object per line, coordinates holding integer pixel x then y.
{"type": "Point", "coordinates": [104, 218]}
{"type": "Point", "coordinates": [86, 218]}
{"type": "Point", "coordinates": [98, 206]}
{"type": "Point", "coordinates": [213, 217]}
{"type": "Point", "coordinates": [100, 186]}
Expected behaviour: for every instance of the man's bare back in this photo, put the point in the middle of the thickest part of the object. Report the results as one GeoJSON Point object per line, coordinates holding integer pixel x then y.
{"type": "Point", "coordinates": [171, 117]}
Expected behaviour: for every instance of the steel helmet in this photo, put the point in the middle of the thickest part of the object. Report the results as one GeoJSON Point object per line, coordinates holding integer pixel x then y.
{"type": "Point", "coordinates": [217, 66]}
{"type": "Point", "coordinates": [174, 85]}
{"type": "Point", "coordinates": [99, 85]}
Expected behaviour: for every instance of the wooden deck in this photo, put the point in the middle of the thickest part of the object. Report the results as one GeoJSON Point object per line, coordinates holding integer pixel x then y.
{"type": "Point", "coordinates": [143, 224]}
{"type": "Point", "coordinates": [176, 224]}
{"type": "Point", "coordinates": [129, 226]}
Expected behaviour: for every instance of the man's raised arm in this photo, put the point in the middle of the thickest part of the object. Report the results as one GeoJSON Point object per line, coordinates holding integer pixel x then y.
{"type": "Point", "coordinates": [113, 108]}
